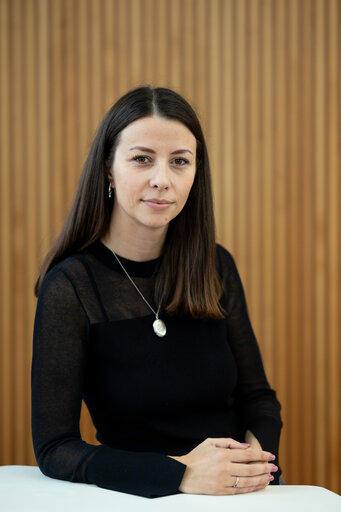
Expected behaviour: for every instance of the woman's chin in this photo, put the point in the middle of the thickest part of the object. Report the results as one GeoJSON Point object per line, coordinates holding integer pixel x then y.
{"type": "Point", "coordinates": [161, 223]}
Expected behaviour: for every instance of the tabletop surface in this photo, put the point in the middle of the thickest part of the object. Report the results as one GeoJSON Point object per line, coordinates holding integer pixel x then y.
{"type": "Point", "coordinates": [26, 489]}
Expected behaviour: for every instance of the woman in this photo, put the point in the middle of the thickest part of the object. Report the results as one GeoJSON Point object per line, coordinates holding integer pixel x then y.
{"type": "Point", "coordinates": [141, 315]}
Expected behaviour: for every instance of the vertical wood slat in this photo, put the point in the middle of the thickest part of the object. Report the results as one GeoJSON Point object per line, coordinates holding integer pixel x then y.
{"type": "Point", "coordinates": [214, 94]}
{"type": "Point", "coordinates": [333, 247]}
{"type": "Point", "coordinates": [320, 296]}
{"type": "Point", "coordinates": [58, 160]}
{"type": "Point", "coordinates": [6, 400]}
{"type": "Point", "coordinates": [227, 176]}
{"type": "Point", "coordinates": [280, 206]}
{"type": "Point", "coordinates": [239, 116]}
{"type": "Point", "coordinates": [70, 124]}
{"type": "Point", "coordinates": [31, 192]}
{"type": "Point", "coordinates": [17, 238]}
{"type": "Point", "coordinates": [307, 371]}
{"type": "Point", "coordinates": [253, 122]}
{"type": "Point", "coordinates": [266, 71]}
{"type": "Point", "coordinates": [293, 191]}
{"type": "Point", "coordinates": [263, 76]}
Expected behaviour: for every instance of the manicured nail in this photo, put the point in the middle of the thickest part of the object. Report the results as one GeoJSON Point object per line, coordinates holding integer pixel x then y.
{"type": "Point", "coordinates": [245, 444]}
{"type": "Point", "coordinates": [274, 468]}
{"type": "Point", "coordinates": [270, 478]}
{"type": "Point", "coordinates": [271, 457]}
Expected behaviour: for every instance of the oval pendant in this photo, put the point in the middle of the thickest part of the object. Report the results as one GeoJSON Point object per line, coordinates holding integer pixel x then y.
{"type": "Point", "coordinates": [159, 327]}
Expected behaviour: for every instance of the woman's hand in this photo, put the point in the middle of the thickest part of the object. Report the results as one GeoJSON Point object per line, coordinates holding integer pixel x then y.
{"type": "Point", "coordinates": [216, 465]}
{"type": "Point", "coordinates": [252, 440]}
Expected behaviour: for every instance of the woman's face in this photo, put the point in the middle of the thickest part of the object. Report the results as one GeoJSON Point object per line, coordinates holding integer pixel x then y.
{"type": "Point", "coordinates": [152, 173]}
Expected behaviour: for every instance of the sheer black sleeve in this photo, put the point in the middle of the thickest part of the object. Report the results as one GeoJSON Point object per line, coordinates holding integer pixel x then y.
{"type": "Point", "coordinates": [58, 367]}
{"type": "Point", "coordinates": [257, 403]}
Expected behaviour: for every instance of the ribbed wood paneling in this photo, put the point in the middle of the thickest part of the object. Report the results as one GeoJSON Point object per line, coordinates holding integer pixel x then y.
{"type": "Point", "coordinates": [263, 75]}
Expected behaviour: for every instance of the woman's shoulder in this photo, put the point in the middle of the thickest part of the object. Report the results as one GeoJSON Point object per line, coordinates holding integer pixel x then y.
{"type": "Point", "coordinates": [225, 260]}
{"type": "Point", "coordinates": [227, 268]}
{"type": "Point", "coordinates": [67, 272]}
{"type": "Point", "coordinates": [68, 265]}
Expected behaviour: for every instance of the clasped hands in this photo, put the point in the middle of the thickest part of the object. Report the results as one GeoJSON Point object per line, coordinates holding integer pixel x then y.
{"type": "Point", "coordinates": [222, 466]}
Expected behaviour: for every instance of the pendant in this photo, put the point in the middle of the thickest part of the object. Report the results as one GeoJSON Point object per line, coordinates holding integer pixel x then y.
{"type": "Point", "coordinates": [159, 327]}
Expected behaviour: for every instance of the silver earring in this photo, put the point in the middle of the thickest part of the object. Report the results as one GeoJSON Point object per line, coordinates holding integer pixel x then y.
{"type": "Point", "coordinates": [110, 191]}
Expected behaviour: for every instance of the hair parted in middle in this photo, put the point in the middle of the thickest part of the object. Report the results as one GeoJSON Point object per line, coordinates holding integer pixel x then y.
{"type": "Point", "coordinates": [187, 280]}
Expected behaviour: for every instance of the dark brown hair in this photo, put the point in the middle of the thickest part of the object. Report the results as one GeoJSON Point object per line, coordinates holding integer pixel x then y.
{"type": "Point", "coordinates": [187, 280]}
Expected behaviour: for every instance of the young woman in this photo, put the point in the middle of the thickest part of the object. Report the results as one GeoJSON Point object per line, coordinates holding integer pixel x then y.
{"type": "Point", "coordinates": [143, 316]}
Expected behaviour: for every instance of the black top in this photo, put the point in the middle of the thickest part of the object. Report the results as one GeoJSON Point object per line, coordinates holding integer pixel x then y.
{"type": "Point", "coordinates": [149, 397]}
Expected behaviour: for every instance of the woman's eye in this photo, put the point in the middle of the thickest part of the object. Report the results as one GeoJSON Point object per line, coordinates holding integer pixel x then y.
{"type": "Point", "coordinates": [180, 161]}
{"type": "Point", "coordinates": [141, 159]}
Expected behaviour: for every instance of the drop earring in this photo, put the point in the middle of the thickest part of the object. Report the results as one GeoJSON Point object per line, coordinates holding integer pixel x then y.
{"type": "Point", "coordinates": [110, 191]}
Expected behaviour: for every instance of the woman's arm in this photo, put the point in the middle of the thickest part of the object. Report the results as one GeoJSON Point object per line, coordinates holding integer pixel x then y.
{"type": "Point", "coordinates": [252, 440]}
{"type": "Point", "coordinates": [258, 406]}
{"type": "Point", "coordinates": [58, 369]}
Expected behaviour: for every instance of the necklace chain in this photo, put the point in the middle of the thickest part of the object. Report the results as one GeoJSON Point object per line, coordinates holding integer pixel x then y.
{"type": "Point", "coordinates": [156, 313]}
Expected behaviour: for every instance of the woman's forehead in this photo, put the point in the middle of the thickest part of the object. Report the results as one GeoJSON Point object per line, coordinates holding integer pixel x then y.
{"type": "Point", "coordinates": [157, 131]}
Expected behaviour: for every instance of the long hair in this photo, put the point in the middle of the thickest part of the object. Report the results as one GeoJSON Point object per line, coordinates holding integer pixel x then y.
{"type": "Point", "coordinates": [187, 280]}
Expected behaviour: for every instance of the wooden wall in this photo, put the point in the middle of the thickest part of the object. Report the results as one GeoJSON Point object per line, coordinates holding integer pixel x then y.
{"type": "Point", "coordinates": [263, 75]}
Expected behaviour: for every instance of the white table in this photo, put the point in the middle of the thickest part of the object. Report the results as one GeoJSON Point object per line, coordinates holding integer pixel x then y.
{"type": "Point", "coordinates": [26, 489]}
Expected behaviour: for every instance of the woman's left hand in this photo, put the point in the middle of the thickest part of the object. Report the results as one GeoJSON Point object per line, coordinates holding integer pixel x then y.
{"type": "Point", "coordinates": [252, 440]}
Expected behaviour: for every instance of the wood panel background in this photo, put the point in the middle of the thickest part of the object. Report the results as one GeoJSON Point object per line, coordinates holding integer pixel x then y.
{"type": "Point", "coordinates": [264, 77]}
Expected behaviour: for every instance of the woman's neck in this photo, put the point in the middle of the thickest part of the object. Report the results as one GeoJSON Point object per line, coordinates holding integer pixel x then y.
{"type": "Point", "coordinates": [137, 246]}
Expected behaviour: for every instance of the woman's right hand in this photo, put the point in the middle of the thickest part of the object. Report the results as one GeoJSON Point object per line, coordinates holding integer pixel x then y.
{"type": "Point", "coordinates": [214, 465]}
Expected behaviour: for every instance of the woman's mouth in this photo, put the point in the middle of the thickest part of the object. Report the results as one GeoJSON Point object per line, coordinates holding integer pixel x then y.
{"type": "Point", "coordinates": [157, 204]}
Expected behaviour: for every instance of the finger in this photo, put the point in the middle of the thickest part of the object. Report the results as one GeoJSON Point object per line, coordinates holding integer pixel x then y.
{"type": "Point", "coordinates": [242, 490]}
{"type": "Point", "coordinates": [252, 481]}
{"type": "Point", "coordinates": [253, 469]}
{"type": "Point", "coordinates": [236, 445]}
{"type": "Point", "coordinates": [251, 455]}
{"type": "Point", "coordinates": [226, 442]}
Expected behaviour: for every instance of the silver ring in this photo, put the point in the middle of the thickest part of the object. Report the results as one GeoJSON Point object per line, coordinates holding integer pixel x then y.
{"type": "Point", "coordinates": [236, 482]}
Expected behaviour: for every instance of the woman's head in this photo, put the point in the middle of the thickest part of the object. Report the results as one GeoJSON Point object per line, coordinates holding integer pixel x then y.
{"type": "Point", "coordinates": [137, 104]}
{"type": "Point", "coordinates": [188, 261]}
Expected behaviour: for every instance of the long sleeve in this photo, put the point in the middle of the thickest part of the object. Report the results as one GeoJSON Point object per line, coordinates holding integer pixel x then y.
{"type": "Point", "coordinates": [58, 370]}
{"type": "Point", "coordinates": [257, 402]}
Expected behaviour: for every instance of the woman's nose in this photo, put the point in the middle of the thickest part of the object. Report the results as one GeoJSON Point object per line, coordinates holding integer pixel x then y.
{"type": "Point", "coordinates": [160, 177]}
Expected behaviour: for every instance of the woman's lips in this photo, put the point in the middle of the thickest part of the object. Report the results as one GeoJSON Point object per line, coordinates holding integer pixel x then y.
{"type": "Point", "coordinates": [157, 204]}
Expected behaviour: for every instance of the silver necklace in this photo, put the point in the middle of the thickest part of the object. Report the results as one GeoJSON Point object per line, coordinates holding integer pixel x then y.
{"type": "Point", "coordinates": [159, 325]}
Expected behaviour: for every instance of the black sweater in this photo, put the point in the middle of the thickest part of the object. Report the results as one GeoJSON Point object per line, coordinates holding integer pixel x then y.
{"type": "Point", "coordinates": [149, 397]}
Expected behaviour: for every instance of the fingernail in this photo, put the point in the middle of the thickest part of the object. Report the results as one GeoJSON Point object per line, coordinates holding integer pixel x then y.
{"type": "Point", "coordinates": [274, 468]}
{"type": "Point", "coordinates": [271, 457]}
{"type": "Point", "coordinates": [270, 478]}
{"type": "Point", "coordinates": [245, 444]}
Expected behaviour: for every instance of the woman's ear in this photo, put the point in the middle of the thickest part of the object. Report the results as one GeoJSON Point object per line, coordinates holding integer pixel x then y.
{"type": "Point", "coordinates": [110, 178]}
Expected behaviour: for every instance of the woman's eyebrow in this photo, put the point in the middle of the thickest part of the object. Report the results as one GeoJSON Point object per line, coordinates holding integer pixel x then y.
{"type": "Point", "coordinates": [142, 148]}
{"type": "Point", "coordinates": [181, 151]}
{"type": "Point", "coordinates": [148, 150]}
